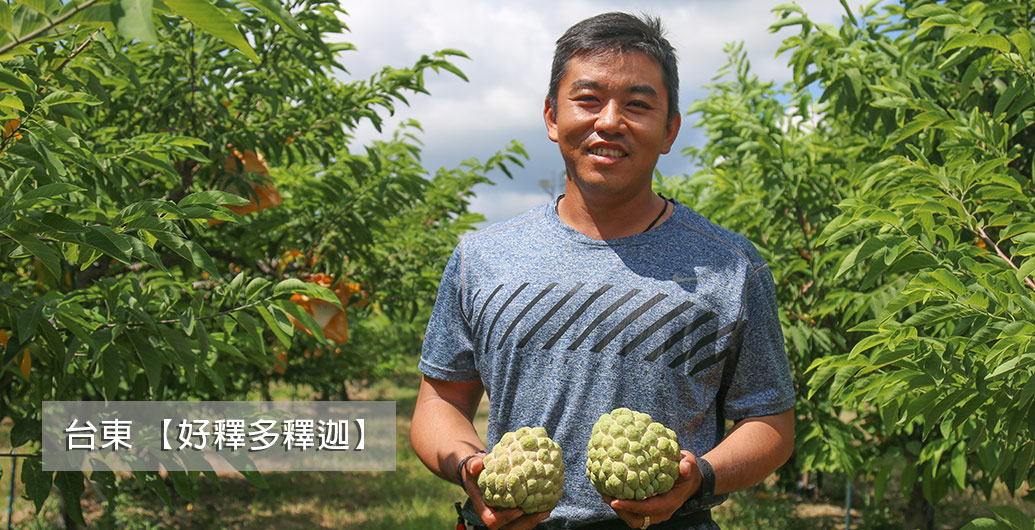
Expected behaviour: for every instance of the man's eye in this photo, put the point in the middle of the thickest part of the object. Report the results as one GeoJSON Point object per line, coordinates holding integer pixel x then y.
{"type": "Point", "coordinates": [586, 98]}
{"type": "Point", "coordinates": [640, 104]}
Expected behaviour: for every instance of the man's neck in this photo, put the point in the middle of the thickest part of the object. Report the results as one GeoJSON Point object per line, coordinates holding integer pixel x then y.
{"type": "Point", "coordinates": [604, 216]}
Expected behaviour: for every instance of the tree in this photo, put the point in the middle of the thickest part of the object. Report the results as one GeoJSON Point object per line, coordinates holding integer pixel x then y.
{"type": "Point", "coordinates": [177, 186]}
{"type": "Point", "coordinates": [896, 213]}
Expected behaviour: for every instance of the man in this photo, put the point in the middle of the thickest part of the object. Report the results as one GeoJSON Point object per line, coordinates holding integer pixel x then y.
{"type": "Point", "coordinates": [610, 296]}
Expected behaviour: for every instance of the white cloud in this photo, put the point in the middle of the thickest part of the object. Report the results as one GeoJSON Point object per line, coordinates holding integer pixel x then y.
{"type": "Point", "coordinates": [511, 46]}
{"type": "Point", "coordinates": [500, 205]}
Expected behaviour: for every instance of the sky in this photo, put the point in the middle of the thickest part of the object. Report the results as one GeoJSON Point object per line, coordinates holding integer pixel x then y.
{"type": "Point", "coordinates": [510, 44]}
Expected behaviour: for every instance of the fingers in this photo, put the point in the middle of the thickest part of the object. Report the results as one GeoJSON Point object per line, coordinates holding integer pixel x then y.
{"type": "Point", "coordinates": [496, 518]}
{"type": "Point", "coordinates": [687, 465]}
{"type": "Point", "coordinates": [475, 465]}
{"type": "Point", "coordinates": [526, 522]}
{"type": "Point", "coordinates": [634, 520]}
{"type": "Point", "coordinates": [500, 518]}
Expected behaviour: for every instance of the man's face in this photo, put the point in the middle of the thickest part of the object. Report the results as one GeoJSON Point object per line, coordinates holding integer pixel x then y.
{"type": "Point", "coordinates": [611, 121]}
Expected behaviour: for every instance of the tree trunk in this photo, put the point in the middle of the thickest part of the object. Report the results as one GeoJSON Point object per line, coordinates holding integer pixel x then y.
{"type": "Point", "coordinates": [919, 512]}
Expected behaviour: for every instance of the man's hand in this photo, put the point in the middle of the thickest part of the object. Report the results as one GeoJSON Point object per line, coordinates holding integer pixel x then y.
{"type": "Point", "coordinates": [495, 518]}
{"type": "Point", "coordinates": [660, 507]}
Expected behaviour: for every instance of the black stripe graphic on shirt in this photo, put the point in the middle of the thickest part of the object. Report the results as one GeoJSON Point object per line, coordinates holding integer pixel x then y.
{"type": "Point", "coordinates": [470, 312]}
{"type": "Point", "coordinates": [626, 321]}
{"type": "Point", "coordinates": [481, 314]}
{"type": "Point", "coordinates": [704, 341]}
{"type": "Point", "coordinates": [645, 334]}
{"type": "Point", "coordinates": [488, 336]}
{"type": "Point", "coordinates": [553, 310]}
{"type": "Point", "coordinates": [600, 318]}
{"type": "Point", "coordinates": [571, 320]}
{"type": "Point", "coordinates": [525, 312]}
{"type": "Point", "coordinates": [679, 335]}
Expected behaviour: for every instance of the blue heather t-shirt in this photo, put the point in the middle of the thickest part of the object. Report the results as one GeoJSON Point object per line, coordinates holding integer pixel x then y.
{"type": "Point", "coordinates": [679, 322]}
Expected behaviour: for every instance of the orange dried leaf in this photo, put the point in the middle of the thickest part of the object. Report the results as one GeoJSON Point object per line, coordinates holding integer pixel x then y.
{"type": "Point", "coordinates": [10, 128]}
{"type": "Point", "coordinates": [281, 366]}
{"type": "Point", "coordinates": [26, 364]}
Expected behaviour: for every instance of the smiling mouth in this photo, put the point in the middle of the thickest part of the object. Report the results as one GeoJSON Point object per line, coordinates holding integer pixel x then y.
{"type": "Point", "coordinates": [611, 153]}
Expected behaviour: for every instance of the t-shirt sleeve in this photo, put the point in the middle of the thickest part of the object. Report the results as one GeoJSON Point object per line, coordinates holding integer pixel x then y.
{"type": "Point", "coordinates": [761, 383]}
{"type": "Point", "coordinates": [448, 350]}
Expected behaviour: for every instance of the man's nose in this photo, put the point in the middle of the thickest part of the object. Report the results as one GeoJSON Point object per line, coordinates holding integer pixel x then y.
{"type": "Point", "coordinates": [610, 119]}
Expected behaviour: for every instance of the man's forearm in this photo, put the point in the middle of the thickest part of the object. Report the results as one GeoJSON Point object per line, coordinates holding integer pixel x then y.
{"type": "Point", "coordinates": [752, 450]}
{"type": "Point", "coordinates": [442, 432]}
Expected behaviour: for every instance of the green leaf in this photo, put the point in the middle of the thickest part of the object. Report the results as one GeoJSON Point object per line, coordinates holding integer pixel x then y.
{"type": "Point", "coordinates": [959, 41]}
{"type": "Point", "coordinates": [1007, 98]}
{"type": "Point", "coordinates": [304, 317]}
{"type": "Point", "coordinates": [293, 285]}
{"type": "Point", "coordinates": [71, 486]}
{"type": "Point", "coordinates": [958, 468]}
{"type": "Point", "coordinates": [46, 191]}
{"type": "Point", "coordinates": [996, 42]}
{"type": "Point", "coordinates": [111, 368]}
{"type": "Point", "coordinates": [255, 287]}
{"type": "Point", "coordinates": [151, 360]}
{"type": "Point", "coordinates": [1023, 41]}
{"type": "Point", "coordinates": [105, 240]}
{"type": "Point", "coordinates": [275, 325]}
{"type": "Point", "coordinates": [275, 10]}
{"type": "Point", "coordinates": [188, 250]}
{"type": "Point", "coordinates": [1014, 516]}
{"type": "Point", "coordinates": [983, 523]}
{"type": "Point", "coordinates": [949, 281]}
{"type": "Point", "coordinates": [929, 10]}
{"type": "Point", "coordinates": [1026, 269]}
{"type": "Point", "coordinates": [12, 101]}
{"type": "Point", "coordinates": [28, 321]}
{"type": "Point", "coordinates": [933, 314]}
{"type": "Point", "coordinates": [37, 482]}
{"type": "Point", "coordinates": [906, 131]}
{"type": "Point", "coordinates": [258, 347]}
{"type": "Point", "coordinates": [255, 478]}
{"type": "Point", "coordinates": [59, 97]}
{"type": "Point", "coordinates": [50, 259]}
{"type": "Point", "coordinates": [133, 20]}
{"type": "Point", "coordinates": [10, 80]}
{"type": "Point", "coordinates": [200, 258]}
{"type": "Point", "coordinates": [213, 20]}
{"type": "Point", "coordinates": [216, 197]}
{"type": "Point", "coordinates": [24, 431]}
{"type": "Point", "coordinates": [155, 484]}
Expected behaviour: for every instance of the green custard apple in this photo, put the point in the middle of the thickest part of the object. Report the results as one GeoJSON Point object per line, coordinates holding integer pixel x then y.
{"type": "Point", "coordinates": [524, 470]}
{"type": "Point", "coordinates": [631, 456]}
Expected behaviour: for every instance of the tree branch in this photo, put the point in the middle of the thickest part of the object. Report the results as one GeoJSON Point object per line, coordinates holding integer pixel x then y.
{"type": "Point", "coordinates": [43, 29]}
{"type": "Point", "coordinates": [988, 240]}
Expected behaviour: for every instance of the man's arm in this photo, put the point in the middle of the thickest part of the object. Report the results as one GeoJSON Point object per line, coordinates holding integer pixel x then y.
{"type": "Point", "coordinates": [443, 434]}
{"type": "Point", "coordinates": [753, 449]}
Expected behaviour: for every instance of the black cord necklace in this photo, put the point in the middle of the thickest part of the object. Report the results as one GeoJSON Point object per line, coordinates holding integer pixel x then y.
{"type": "Point", "coordinates": [661, 213]}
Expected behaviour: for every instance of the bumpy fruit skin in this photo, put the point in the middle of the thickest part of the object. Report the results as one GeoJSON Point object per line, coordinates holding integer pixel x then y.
{"type": "Point", "coordinates": [631, 456]}
{"type": "Point", "coordinates": [524, 470]}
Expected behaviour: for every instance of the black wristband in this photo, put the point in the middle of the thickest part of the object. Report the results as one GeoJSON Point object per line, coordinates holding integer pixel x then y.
{"type": "Point", "coordinates": [707, 488]}
{"type": "Point", "coordinates": [460, 468]}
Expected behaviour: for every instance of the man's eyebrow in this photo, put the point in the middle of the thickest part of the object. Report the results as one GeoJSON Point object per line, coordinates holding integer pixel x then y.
{"type": "Point", "coordinates": [585, 83]}
{"type": "Point", "coordinates": [581, 84]}
{"type": "Point", "coordinates": [643, 89]}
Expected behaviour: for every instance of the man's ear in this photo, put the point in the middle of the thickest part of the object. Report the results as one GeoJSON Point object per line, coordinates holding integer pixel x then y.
{"type": "Point", "coordinates": [550, 117]}
{"type": "Point", "coordinates": [671, 131]}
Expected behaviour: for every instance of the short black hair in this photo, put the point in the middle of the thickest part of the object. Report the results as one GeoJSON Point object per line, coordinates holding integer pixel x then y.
{"type": "Point", "coordinates": [620, 33]}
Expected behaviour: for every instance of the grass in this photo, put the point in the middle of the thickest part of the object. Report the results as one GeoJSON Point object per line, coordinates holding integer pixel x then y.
{"type": "Point", "coordinates": [409, 498]}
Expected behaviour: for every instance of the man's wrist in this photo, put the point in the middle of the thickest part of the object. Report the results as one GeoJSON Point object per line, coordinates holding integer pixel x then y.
{"type": "Point", "coordinates": [460, 467]}
{"type": "Point", "coordinates": [707, 487]}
